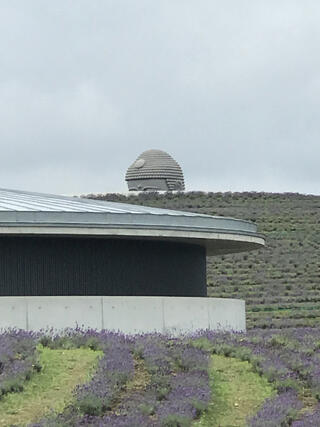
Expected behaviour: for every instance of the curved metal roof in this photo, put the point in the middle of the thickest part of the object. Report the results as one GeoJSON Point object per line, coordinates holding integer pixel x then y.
{"type": "Point", "coordinates": [24, 201]}
{"type": "Point", "coordinates": [30, 213]}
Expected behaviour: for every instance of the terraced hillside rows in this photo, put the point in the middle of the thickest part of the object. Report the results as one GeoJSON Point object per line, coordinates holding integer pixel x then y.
{"type": "Point", "coordinates": [280, 283]}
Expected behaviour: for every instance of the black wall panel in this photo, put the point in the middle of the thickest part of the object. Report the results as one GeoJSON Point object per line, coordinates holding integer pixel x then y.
{"type": "Point", "coordinates": [96, 266]}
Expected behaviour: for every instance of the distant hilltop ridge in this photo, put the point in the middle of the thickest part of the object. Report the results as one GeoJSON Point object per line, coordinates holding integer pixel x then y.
{"type": "Point", "coordinates": [128, 195]}
{"type": "Point", "coordinates": [280, 283]}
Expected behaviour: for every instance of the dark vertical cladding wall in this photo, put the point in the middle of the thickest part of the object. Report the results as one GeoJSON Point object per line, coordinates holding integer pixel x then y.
{"type": "Point", "coordinates": [95, 266]}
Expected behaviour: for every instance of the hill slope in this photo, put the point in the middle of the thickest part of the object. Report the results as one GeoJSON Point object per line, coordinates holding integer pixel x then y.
{"type": "Point", "coordinates": [280, 283]}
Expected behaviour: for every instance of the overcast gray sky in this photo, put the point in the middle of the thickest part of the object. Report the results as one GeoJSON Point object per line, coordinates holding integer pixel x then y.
{"type": "Point", "coordinates": [229, 88]}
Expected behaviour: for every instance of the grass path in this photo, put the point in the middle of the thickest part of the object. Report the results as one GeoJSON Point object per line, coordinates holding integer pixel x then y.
{"type": "Point", "coordinates": [50, 389]}
{"type": "Point", "coordinates": [237, 393]}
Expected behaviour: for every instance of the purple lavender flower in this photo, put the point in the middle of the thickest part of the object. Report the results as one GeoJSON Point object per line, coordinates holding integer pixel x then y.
{"type": "Point", "coordinates": [309, 419]}
{"type": "Point", "coordinates": [189, 396]}
{"type": "Point", "coordinates": [115, 368]}
{"type": "Point", "coordinates": [277, 411]}
{"type": "Point", "coordinates": [18, 359]}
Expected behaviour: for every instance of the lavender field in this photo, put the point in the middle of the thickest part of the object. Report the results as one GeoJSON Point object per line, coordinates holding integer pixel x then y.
{"type": "Point", "coordinates": [174, 391]}
{"type": "Point", "coordinates": [281, 282]}
{"type": "Point", "coordinates": [289, 359]}
{"type": "Point", "coordinates": [154, 380]}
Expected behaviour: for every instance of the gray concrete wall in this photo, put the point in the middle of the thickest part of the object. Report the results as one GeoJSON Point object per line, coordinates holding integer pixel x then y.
{"type": "Point", "coordinates": [126, 314]}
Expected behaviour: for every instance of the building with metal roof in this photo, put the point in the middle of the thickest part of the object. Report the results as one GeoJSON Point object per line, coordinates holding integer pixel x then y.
{"type": "Point", "coordinates": [155, 170]}
{"type": "Point", "coordinates": [56, 246]}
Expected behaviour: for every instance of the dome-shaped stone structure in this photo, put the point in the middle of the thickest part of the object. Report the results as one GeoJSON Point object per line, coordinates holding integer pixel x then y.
{"type": "Point", "coordinates": [155, 170]}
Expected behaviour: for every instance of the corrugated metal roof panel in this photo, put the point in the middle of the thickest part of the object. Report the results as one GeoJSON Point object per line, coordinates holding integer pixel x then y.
{"type": "Point", "coordinates": [23, 201]}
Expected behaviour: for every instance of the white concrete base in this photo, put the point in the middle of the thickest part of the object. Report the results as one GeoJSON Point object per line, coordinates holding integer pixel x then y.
{"type": "Point", "coordinates": [173, 315]}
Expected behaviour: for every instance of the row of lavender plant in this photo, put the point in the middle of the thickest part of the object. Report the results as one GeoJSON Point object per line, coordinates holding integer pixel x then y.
{"type": "Point", "coordinates": [309, 420]}
{"type": "Point", "coordinates": [177, 390]}
{"type": "Point", "coordinates": [180, 382]}
{"type": "Point", "coordinates": [289, 359]}
{"type": "Point", "coordinates": [280, 410]}
{"type": "Point", "coordinates": [18, 359]}
{"type": "Point", "coordinates": [115, 368]}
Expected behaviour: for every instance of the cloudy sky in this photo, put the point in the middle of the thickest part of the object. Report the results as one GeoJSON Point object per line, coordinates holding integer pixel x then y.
{"type": "Point", "coordinates": [230, 88]}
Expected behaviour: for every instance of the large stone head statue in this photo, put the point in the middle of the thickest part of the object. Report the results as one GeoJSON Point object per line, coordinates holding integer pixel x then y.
{"type": "Point", "coordinates": [155, 170]}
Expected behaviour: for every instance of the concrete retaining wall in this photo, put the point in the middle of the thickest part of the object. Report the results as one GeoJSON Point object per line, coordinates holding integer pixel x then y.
{"type": "Point", "coordinates": [127, 314]}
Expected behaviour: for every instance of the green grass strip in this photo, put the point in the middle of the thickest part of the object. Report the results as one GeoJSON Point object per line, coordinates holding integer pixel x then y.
{"type": "Point", "coordinates": [51, 388]}
{"type": "Point", "coordinates": [237, 393]}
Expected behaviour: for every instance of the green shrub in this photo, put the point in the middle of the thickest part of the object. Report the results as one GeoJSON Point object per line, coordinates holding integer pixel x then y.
{"type": "Point", "coordinates": [176, 421]}
{"type": "Point", "coordinates": [92, 405]}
